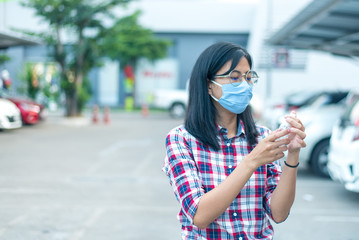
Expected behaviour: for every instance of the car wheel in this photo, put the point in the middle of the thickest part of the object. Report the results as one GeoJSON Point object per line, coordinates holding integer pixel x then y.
{"type": "Point", "coordinates": [319, 160]}
{"type": "Point", "coordinates": [177, 110]}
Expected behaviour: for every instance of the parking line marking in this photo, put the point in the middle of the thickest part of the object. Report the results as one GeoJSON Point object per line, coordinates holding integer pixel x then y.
{"type": "Point", "coordinates": [26, 191]}
{"type": "Point", "coordinates": [105, 153]}
{"type": "Point", "coordinates": [141, 166]}
{"type": "Point", "coordinates": [323, 211]}
{"type": "Point", "coordinates": [13, 223]}
{"type": "Point", "coordinates": [336, 219]}
{"type": "Point", "coordinates": [130, 143]}
{"type": "Point", "coordinates": [95, 167]}
{"type": "Point", "coordinates": [89, 222]}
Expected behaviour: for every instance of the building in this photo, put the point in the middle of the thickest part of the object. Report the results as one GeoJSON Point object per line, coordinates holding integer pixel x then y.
{"type": "Point", "coordinates": [192, 26]}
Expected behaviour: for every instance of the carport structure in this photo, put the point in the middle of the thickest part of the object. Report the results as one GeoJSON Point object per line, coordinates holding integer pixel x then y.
{"type": "Point", "coordinates": [324, 25]}
{"type": "Point", "coordinates": [10, 40]}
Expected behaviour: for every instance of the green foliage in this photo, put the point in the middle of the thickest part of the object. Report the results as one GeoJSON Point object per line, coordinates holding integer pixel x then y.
{"type": "Point", "coordinates": [31, 80]}
{"type": "Point", "coordinates": [77, 18]}
{"type": "Point", "coordinates": [4, 58]}
{"type": "Point", "coordinates": [40, 82]}
{"type": "Point", "coordinates": [125, 41]}
{"type": "Point", "coordinates": [128, 41]}
{"type": "Point", "coordinates": [84, 93]}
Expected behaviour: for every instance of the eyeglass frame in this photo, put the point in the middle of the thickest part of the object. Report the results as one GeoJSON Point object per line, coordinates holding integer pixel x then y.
{"type": "Point", "coordinates": [241, 76]}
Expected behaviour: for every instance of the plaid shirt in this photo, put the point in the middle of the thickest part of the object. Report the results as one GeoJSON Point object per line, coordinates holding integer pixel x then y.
{"type": "Point", "coordinates": [194, 169]}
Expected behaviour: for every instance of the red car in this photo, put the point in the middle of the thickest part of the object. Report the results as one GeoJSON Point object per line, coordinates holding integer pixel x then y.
{"type": "Point", "coordinates": [31, 112]}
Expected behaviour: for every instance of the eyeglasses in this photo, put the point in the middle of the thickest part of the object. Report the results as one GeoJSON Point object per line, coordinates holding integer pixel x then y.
{"type": "Point", "coordinates": [236, 77]}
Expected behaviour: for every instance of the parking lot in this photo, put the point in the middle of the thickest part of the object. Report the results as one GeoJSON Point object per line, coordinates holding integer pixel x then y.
{"type": "Point", "coordinates": [73, 180]}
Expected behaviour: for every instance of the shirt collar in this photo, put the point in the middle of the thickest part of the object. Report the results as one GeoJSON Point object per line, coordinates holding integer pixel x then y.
{"type": "Point", "coordinates": [224, 131]}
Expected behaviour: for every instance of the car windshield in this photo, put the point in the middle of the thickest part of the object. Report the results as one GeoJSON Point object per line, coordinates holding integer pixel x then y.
{"type": "Point", "coordinates": [328, 98]}
{"type": "Point", "coordinates": [351, 113]}
{"type": "Point", "coordinates": [320, 101]}
{"type": "Point", "coordinates": [300, 97]}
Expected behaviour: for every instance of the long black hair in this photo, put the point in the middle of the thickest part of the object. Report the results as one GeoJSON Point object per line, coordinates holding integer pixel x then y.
{"type": "Point", "coordinates": [201, 113]}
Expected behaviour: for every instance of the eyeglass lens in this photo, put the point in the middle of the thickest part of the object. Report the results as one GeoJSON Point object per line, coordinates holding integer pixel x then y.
{"type": "Point", "coordinates": [237, 77]}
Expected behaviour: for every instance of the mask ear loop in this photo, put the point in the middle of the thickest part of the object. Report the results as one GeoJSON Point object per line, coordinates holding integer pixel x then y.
{"type": "Point", "coordinates": [214, 98]}
{"type": "Point", "coordinates": [217, 85]}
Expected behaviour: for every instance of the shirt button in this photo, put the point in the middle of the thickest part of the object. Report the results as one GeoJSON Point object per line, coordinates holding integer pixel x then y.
{"type": "Point", "coordinates": [234, 214]}
{"type": "Point", "coordinates": [230, 166]}
{"type": "Point", "coordinates": [228, 144]}
{"type": "Point", "coordinates": [240, 238]}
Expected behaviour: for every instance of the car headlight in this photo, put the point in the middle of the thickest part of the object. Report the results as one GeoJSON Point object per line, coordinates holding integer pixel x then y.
{"type": "Point", "coordinates": [30, 107]}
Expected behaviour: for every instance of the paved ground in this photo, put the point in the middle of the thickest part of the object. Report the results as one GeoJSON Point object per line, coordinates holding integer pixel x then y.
{"type": "Point", "coordinates": [73, 180]}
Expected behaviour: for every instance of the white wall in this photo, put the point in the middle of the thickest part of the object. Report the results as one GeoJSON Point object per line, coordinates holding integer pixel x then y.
{"type": "Point", "coordinates": [108, 84]}
{"type": "Point", "coordinates": [163, 74]}
{"type": "Point", "coordinates": [197, 15]}
{"type": "Point", "coordinates": [159, 15]}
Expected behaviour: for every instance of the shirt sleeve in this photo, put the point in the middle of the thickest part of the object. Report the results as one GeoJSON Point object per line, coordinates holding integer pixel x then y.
{"type": "Point", "coordinates": [182, 172]}
{"type": "Point", "coordinates": [274, 171]}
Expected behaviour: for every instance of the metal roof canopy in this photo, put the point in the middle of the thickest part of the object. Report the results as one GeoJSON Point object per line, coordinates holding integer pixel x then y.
{"type": "Point", "coordinates": [325, 25]}
{"type": "Point", "coordinates": [7, 40]}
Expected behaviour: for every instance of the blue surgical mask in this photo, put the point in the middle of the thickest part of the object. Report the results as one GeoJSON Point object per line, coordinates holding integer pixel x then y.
{"type": "Point", "coordinates": [235, 99]}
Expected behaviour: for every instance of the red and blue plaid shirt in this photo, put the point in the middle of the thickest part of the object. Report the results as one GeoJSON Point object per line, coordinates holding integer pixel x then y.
{"type": "Point", "coordinates": [194, 169]}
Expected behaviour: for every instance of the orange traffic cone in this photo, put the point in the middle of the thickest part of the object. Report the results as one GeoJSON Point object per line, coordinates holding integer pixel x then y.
{"type": "Point", "coordinates": [106, 115]}
{"type": "Point", "coordinates": [95, 114]}
{"type": "Point", "coordinates": [145, 111]}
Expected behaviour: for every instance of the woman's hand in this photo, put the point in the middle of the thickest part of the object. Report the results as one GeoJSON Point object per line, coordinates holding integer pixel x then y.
{"type": "Point", "coordinates": [297, 134]}
{"type": "Point", "coordinates": [270, 148]}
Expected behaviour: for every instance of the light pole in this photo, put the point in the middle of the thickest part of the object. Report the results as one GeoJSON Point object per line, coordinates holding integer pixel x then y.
{"type": "Point", "coordinates": [269, 51]}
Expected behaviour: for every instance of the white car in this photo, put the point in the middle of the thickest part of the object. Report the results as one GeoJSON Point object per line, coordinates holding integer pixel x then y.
{"type": "Point", "coordinates": [10, 116]}
{"type": "Point", "coordinates": [176, 101]}
{"type": "Point", "coordinates": [293, 101]}
{"type": "Point", "coordinates": [343, 164]}
{"type": "Point", "coordinates": [173, 100]}
{"type": "Point", "coordinates": [319, 119]}
{"type": "Point", "coordinates": [318, 124]}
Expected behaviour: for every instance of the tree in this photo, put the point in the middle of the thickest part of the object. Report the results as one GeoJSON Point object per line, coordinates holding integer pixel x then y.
{"type": "Point", "coordinates": [128, 41]}
{"type": "Point", "coordinates": [4, 58]}
{"type": "Point", "coordinates": [77, 18]}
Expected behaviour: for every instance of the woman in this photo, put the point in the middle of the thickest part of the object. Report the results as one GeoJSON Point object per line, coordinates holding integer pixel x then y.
{"type": "Point", "coordinates": [225, 170]}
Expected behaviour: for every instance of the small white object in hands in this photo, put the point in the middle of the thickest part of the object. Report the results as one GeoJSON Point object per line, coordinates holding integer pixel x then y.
{"type": "Point", "coordinates": [285, 125]}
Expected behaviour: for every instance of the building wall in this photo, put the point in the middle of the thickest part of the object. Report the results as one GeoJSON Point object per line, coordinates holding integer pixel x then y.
{"type": "Point", "coordinates": [182, 55]}
{"type": "Point", "coordinates": [194, 25]}
{"type": "Point", "coordinates": [191, 25]}
{"type": "Point", "coordinates": [188, 46]}
{"type": "Point", "coordinates": [19, 57]}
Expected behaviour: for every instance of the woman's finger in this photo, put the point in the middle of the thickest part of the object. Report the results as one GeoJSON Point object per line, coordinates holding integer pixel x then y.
{"type": "Point", "coordinates": [294, 122]}
{"type": "Point", "coordinates": [297, 131]}
{"type": "Point", "coordinates": [277, 134]}
{"type": "Point", "coordinates": [282, 141]}
{"type": "Point", "coordinates": [301, 142]}
{"type": "Point", "coordinates": [283, 148]}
